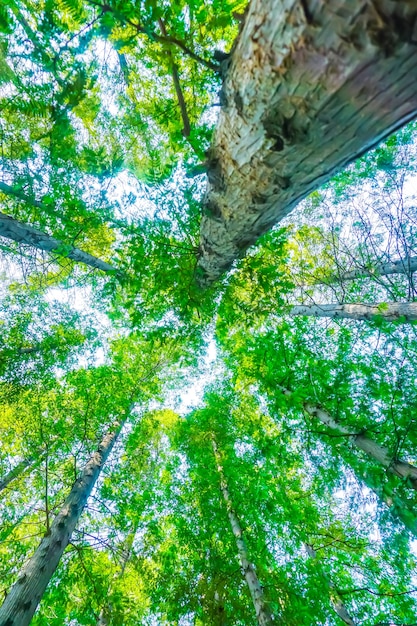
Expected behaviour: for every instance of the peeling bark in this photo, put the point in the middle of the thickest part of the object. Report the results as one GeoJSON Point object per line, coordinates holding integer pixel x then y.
{"type": "Point", "coordinates": [393, 312]}
{"type": "Point", "coordinates": [378, 453]}
{"type": "Point", "coordinates": [263, 615]}
{"type": "Point", "coordinates": [24, 596]}
{"type": "Point", "coordinates": [22, 233]}
{"type": "Point", "coordinates": [311, 86]}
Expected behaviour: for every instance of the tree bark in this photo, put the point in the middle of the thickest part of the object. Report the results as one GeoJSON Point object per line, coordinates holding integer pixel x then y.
{"type": "Point", "coordinates": [22, 233]}
{"type": "Point", "coordinates": [263, 615]}
{"type": "Point", "coordinates": [335, 599]}
{"type": "Point", "coordinates": [24, 596]}
{"type": "Point", "coordinates": [381, 455]}
{"type": "Point", "coordinates": [311, 86]}
{"type": "Point", "coordinates": [16, 472]}
{"type": "Point", "coordinates": [403, 266]}
{"type": "Point", "coordinates": [393, 312]}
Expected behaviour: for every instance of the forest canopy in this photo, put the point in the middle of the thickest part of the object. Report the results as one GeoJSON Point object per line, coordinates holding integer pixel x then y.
{"type": "Point", "coordinates": [208, 349]}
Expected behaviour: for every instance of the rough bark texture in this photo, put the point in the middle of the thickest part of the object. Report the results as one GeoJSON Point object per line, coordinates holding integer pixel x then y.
{"type": "Point", "coordinates": [15, 472]}
{"type": "Point", "coordinates": [23, 598]}
{"type": "Point", "coordinates": [263, 615]}
{"type": "Point", "coordinates": [393, 312]}
{"type": "Point", "coordinates": [22, 233]}
{"type": "Point", "coordinates": [404, 266]}
{"type": "Point", "coordinates": [335, 599]}
{"type": "Point", "coordinates": [311, 86]}
{"type": "Point", "coordinates": [364, 443]}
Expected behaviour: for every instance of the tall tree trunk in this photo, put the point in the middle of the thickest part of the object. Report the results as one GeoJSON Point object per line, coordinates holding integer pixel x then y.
{"type": "Point", "coordinates": [378, 453]}
{"type": "Point", "coordinates": [393, 312]}
{"type": "Point", "coordinates": [105, 613]}
{"type": "Point", "coordinates": [22, 233]}
{"type": "Point", "coordinates": [263, 615]}
{"type": "Point", "coordinates": [335, 599]}
{"type": "Point", "coordinates": [399, 509]}
{"type": "Point", "coordinates": [17, 471]}
{"type": "Point", "coordinates": [24, 596]}
{"type": "Point", "coordinates": [310, 87]}
{"type": "Point", "coordinates": [403, 266]}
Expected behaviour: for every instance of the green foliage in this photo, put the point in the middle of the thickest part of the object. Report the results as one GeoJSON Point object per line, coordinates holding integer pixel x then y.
{"type": "Point", "coordinates": [95, 104]}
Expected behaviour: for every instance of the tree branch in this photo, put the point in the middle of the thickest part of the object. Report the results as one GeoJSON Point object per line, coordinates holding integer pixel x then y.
{"type": "Point", "coordinates": [153, 36]}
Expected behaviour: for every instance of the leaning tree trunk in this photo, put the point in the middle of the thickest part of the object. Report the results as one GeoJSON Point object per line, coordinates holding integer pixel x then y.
{"type": "Point", "coordinates": [263, 615]}
{"type": "Point", "coordinates": [393, 312]}
{"type": "Point", "coordinates": [403, 266]}
{"type": "Point", "coordinates": [18, 471]}
{"type": "Point", "coordinates": [310, 87]}
{"type": "Point", "coordinates": [22, 233]}
{"type": "Point", "coordinates": [399, 509]}
{"type": "Point", "coordinates": [24, 596]}
{"type": "Point", "coordinates": [378, 453]}
{"type": "Point", "coordinates": [335, 599]}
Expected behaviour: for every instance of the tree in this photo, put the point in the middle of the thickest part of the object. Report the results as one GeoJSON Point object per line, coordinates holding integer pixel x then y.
{"type": "Point", "coordinates": [267, 466]}
{"type": "Point", "coordinates": [23, 598]}
{"type": "Point", "coordinates": [263, 616]}
{"type": "Point", "coordinates": [405, 312]}
{"type": "Point", "coordinates": [22, 233]}
{"type": "Point", "coordinates": [275, 120]}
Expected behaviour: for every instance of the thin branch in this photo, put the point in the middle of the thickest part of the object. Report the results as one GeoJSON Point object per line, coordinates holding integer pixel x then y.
{"type": "Point", "coordinates": [176, 79]}
{"type": "Point", "coordinates": [153, 36]}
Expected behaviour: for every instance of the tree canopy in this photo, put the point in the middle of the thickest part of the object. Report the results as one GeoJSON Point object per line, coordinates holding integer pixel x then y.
{"type": "Point", "coordinates": [182, 446]}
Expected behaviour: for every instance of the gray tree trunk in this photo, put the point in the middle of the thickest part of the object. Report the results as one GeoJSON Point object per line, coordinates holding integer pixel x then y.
{"type": "Point", "coordinates": [263, 615]}
{"type": "Point", "coordinates": [381, 455]}
{"type": "Point", "coordinates": [311, 86]}
{"type": "Point", "coordinates": [392, 312]}
{"type": "Point", "coordinates": [22, 233]}
{"type": "Point", "coordinates": [16, 472]}
{"type": "Point", "coordinates": [335, 599]}
{"type": "Point", "coordinates": [403, 266]}
{"type": "Point", "coordinates": [24, 596]}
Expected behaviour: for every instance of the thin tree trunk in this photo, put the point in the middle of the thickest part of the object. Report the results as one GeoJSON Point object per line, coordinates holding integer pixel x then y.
{"type": "Point", "coordinates": [335, 599]}
{"type": "Point", "coordinates": [16, 472]}
{"type": "Point", "coordinates": [399, 509]}
{"type": "Point", "coordinates": [311, 86]}
{"type": "Point", "coordinates": [263, 615]}
{"type": "Point", "coordinates": [106, 611]}
{"type": "Point", "coordinates": [22, 233]}
{"type": "Point", "coordinates": [378, 453]}
{"type": "Point", "coordinates": [8, 190]}
{"type": "Point", "coordinates": [24, 596]}
{"type": "Point", "coordinates": [404, 266]}
{"type": "Point", "coordinates": [403, 312]}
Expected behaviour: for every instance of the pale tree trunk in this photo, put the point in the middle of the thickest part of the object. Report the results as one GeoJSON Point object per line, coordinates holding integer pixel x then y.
{"type": "Point", "coordinates": [378, 453]}
{"type": "Point", "coordinates": [404, 266]}
{"type": "Point", "coordinates": [24, 596]}
{"type": "Point", "coordinates": [310, 87]}
{"type": "Point", "coordinates": [8, 190]}
{"type": "Point", "coordinates": [22, 233]}
{"type": "Point", "coordinates": [399, 509]}
{"type": "Point", "coordinates": [392, 312]}
{"type": "Point", "coordinates": [263, 615]}
{"type": "Point", "coordinates": [335, 599]}
{"type": "Point", "coordinates": [17, 471]}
